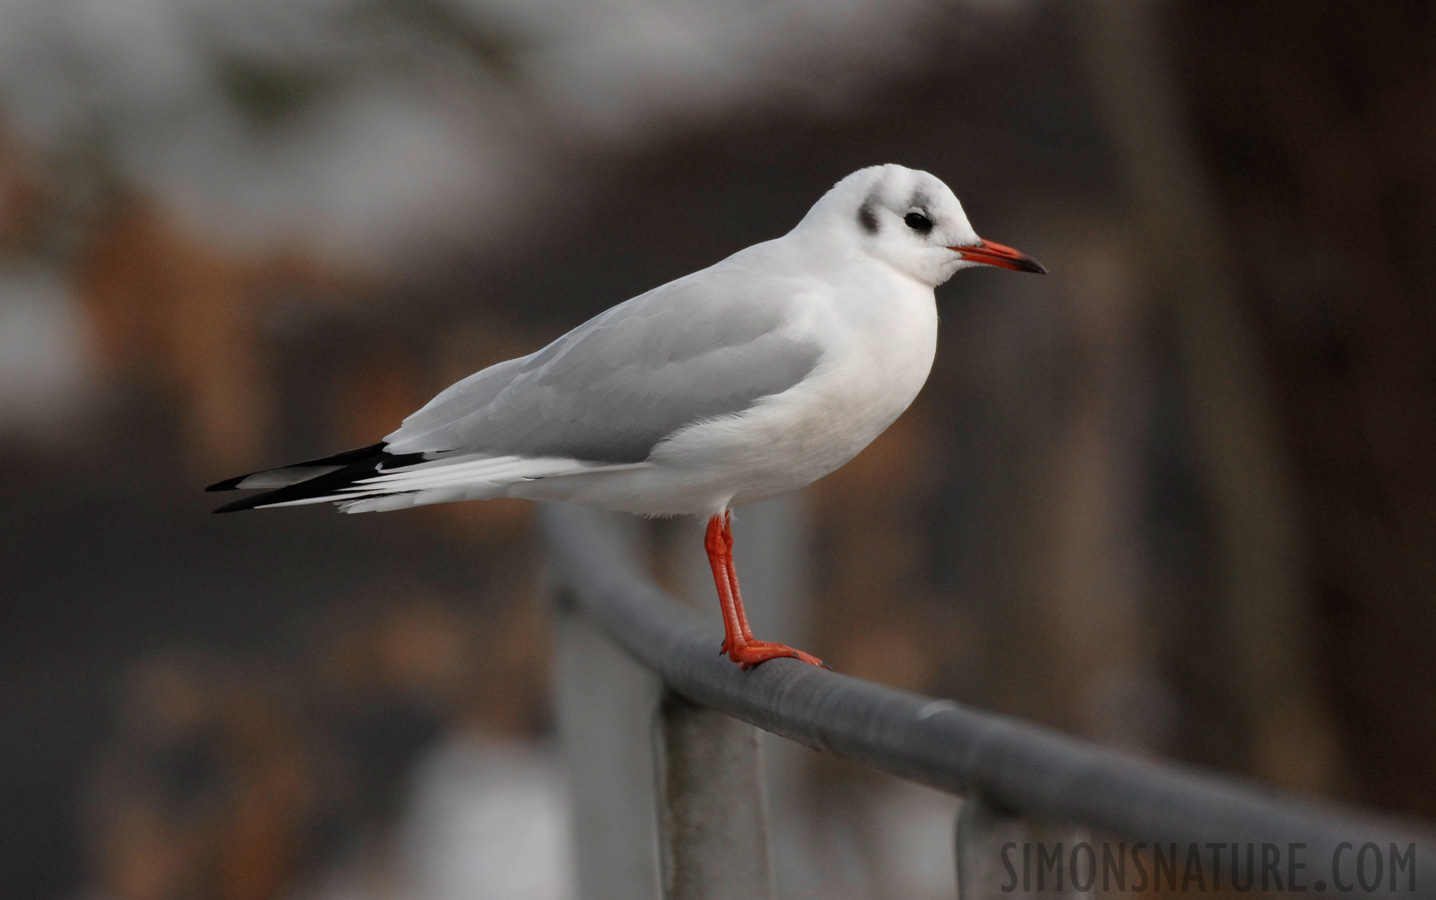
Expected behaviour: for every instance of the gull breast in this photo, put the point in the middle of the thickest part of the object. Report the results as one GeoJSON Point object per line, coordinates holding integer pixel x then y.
{"type": "Point", "coordinates": [878, 351]}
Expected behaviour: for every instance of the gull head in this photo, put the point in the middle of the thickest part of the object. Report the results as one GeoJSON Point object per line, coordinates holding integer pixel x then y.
{"type": "Point", "coordinates": [909, 220]}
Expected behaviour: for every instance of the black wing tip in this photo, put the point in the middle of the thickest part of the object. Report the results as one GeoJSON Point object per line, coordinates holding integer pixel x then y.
{"type": "Point", "coordinates": [229, 484]}
{"type": "Point", "coordinates": [348, 457]}
{"type": "Point", "coordinates": [353, 465]}
{"type": "Point", "coordinates": [240, 505]}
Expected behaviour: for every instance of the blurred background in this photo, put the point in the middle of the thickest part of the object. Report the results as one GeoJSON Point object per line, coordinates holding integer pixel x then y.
{"type": "Point", "coordinates": [1177, 496]}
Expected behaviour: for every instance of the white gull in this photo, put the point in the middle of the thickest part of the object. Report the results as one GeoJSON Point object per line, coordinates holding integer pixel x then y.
{"type": "Point", "coordinates": [748, 379]}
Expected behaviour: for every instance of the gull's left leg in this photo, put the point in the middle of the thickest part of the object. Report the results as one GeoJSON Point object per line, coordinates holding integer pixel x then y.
{"type": "Point", "coordinates": [738, 641]}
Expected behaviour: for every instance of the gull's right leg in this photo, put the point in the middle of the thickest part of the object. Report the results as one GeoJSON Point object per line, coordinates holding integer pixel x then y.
{"type": "Point", "coordinates": [738, 641]}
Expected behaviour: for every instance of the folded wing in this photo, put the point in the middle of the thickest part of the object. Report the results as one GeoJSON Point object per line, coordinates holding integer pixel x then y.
{"type": "Point", "coordinates": [600, 397]}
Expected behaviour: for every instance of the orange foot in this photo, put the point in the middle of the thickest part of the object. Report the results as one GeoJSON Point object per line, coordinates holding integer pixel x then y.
{"type": "Point", "coordinates": [750, 653]}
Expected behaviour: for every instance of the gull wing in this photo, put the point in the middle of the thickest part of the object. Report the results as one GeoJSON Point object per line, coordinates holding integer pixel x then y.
{"type": "Point", "coordinates": [707, 345]}
{"type": "Point", "coordinates": [599, 398]}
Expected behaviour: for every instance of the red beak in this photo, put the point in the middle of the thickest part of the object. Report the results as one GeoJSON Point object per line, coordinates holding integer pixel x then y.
{"type": "Point", "coordinates": [990, 254]}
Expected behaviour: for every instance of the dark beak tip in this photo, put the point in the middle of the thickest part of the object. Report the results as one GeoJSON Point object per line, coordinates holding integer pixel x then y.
{"type": "Point", "coordinates": [991, 253]}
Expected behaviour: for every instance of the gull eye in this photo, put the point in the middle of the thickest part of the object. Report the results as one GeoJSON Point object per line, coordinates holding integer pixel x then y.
{"type": "Point", "coordinates": [918, 222]}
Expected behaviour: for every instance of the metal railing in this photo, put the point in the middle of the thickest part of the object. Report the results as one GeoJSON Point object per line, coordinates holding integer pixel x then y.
{"type": "Point", "coordinates": [707, 836]}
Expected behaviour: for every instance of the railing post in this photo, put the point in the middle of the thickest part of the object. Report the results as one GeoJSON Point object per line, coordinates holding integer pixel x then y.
{"type": "Point", "coordinates": [995, 854]}
{"type": "Point", "coordinates": [605, 703]}
{"type": "Point", "coordinates": [713, 821]}
{"type": "Point", "coordinates": [714, 830]}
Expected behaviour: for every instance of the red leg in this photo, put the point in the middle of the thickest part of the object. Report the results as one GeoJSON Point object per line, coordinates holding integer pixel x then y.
{"type": "Point", "coordinates": [717, 549]}
{"type": "Point", "coordinates": [731, 574]}
{"type": "Point", "coordinates": [738, 641]}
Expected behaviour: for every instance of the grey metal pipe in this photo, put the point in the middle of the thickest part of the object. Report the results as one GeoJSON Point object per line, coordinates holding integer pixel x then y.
{"type": "Point", "coordinates": [1017, 767]}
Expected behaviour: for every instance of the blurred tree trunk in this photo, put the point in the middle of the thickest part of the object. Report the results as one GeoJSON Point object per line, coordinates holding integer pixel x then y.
{"type": "Point", "coordinates": [1319, 128]}
{"type": "Point", "coordinates": [1262, 664]}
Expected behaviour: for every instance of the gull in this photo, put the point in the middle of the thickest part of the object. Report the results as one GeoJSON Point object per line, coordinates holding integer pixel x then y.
{"type": "Point", "coordinates": [748, 379]}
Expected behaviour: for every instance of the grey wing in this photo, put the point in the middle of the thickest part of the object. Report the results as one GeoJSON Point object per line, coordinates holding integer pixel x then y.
{"type": "Point", "coordinates": [613, 388]}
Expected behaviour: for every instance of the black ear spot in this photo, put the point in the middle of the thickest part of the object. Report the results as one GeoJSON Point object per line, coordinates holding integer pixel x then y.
{"type": "Point", "coordinates": [868, 217]}
{"type": "Point", "coordinates": [918, 222]}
